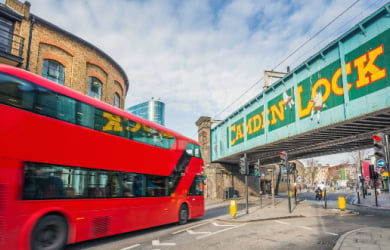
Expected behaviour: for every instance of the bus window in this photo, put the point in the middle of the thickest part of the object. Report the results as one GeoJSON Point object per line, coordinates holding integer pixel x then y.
{"type": "Point", "coordinates": [127, 184]}
{"type": "Point", "coordinates": [46, 102]}
{"type": "Point", "coordinates": [156, 185]}
{"type": "Point", "coordinates": [197, 186]}
{"type": "Point", "coordinates": [16, 92]}
{"type": "Point", "coordinates": [194, 150]}
{"type": "Point", "coordinates": [85, 115]}
{"type": "Point", "coordinates": [40, 182]}
{"type": "Point", "coordinates": [66, 109]}
{"type": "Point", "coordinates": [139, 185]}
{"type": "Point", "coordinates": [197, 151]}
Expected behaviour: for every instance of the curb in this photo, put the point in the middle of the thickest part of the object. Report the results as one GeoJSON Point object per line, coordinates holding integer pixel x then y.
{"type": "Point", "coordinates": [375, 207]}
{"type": "Point", "coordinates": [265, 219]}
{"type": "Point", "coordinates": [340, 241]}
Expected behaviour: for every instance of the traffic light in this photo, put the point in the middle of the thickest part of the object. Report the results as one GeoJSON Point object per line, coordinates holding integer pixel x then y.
{"type": "Point", "coordinates": [293, 167]}
{"type": "Point", "coordinates": [371, 170]}
{"type": "Point", "coordinates": [376, 175]}
{"type": "Point", "coordinates": [243, 165]}
{"type": "Point", "coordinates": [379, 146]}
{"type": "Point", "coordinates": [284, 159]}
{"type": "Point", "coordinates": [257, 168]}
{"type": "Point", "coordinates": [251, 170]}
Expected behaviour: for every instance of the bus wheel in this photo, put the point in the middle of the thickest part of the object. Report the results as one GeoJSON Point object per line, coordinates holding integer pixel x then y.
{"type": "Point", "coordinates": [51, 232]}
{"type": "Point", "coordinates": [183, 214]}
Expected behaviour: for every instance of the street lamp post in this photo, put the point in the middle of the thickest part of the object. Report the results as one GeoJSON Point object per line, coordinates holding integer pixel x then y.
{"type": "Point", "coordinates": [272, 185]}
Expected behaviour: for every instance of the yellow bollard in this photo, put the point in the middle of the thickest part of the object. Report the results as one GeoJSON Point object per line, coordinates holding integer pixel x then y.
{"type": "Point", "coordinates": [233, 208]}
{"type": "Point", "coordinates": [342, 203]}
{"type": "Point", "coordinates": [291, 194]}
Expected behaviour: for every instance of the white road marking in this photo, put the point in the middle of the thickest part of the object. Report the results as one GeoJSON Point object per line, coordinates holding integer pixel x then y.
{"type": "Point", "coordinates": [226, 225]}
{"type": "Point", "coordinates": [130, 247]}
{"type": "Point", "coordinates": [303, 227]}
{"type": "Point", "coordinates": [307, 228]}
{"type": "Point", "coordinates": [282, 222]}
{"type": "Point", "coordinates": [198, 225]}
{"type": "Point", "coordinates": [220, 231]}
{"type": "Point", "coordinates": [192, 232]}
{"type": "Point", "coordinates": [158, 243]}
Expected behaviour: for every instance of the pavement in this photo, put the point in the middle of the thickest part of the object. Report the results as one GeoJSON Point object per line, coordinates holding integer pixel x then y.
{"type": "Point", "coordinates": [269, 209]}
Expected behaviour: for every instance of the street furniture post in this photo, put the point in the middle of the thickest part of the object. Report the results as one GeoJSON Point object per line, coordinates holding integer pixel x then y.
{"type": "Point", "coordinates": [325, 198]}
{"type": "Point", "coordinates": [261, 201]}
{"type": "Point", "coordinates": [246, 193]}
{"type": "Point", "coordinates": [288, 191]}
{"type": "Point", "coordinates": [233, 208]}
{"type": "Point", "coordinates": [342, 203]}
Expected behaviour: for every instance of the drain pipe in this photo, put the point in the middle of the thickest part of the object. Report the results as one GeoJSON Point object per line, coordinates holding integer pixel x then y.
{"type": "Point", "coordinates": [32, 21]}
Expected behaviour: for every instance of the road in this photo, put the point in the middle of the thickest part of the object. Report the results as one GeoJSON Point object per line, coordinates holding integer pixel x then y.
{"type": "Point", "coordinates": [211, 233]}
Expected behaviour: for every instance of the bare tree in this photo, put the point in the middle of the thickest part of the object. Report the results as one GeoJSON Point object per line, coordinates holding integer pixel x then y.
{"type": "Point", "coordinates": [311, 170]}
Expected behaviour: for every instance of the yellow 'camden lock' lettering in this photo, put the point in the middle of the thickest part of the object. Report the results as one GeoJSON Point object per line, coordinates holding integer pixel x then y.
{"type": "Point", "coordinates": [367, 73]}
{"type": "Point", "coordinates": [239, 132]}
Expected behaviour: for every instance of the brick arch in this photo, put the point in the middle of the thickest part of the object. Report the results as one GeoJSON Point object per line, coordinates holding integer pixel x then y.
{"type": "Point", "coordinates": [99, 77]}
{"type": "Point", "coordinates": [54, 57]}
{"type": "Point", "coordinates": [120, 83]}
{"type": "Point", "coordinates": [58, 45]}
{"type": "Point", "coordinates": [98, 65]}
{"type": "Point", "coordinates": [118, 87]}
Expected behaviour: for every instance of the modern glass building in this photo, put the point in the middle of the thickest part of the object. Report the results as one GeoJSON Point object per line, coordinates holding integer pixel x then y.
{"type": "Point", "coordinates": [151, 110]}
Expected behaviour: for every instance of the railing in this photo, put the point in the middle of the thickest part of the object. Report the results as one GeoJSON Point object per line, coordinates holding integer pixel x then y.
{"type": "Point", "coordinates": [10, 43]}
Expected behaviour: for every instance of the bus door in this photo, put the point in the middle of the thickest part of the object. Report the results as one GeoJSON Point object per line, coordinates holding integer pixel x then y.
{"type": "Point", "coordinates": [196, 198]}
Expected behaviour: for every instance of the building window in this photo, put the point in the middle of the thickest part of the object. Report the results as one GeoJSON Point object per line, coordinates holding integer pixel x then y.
{"type": "Point", "coordinates": [117, 100]}
{"type": "Point", "coordinates": [53, 71]}
{"type": "Point", "coordinates": [6, 28]}
{"type": "Point", "coordinates": [95, 88]}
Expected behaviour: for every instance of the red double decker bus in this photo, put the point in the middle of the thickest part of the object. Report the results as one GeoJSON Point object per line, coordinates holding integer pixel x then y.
{"type": "Point", "coordinates": [73, 168]}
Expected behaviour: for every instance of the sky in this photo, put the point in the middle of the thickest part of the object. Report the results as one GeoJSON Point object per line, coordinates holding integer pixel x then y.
{"type": "Point", "coordinates": [203, 57]}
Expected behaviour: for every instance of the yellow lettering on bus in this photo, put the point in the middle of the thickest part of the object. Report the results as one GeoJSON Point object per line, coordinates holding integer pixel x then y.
{"type": "Point", "coordinates": [279, 112]}
{"type": "Point", "coordinates": [146, 128]}
{"type": "Point", "coordinates": [167, 135]}
{"type": "Point", "coordinates": [336, 89]}
{"type": "Point", "coordinates": [367, 71]}
{"type": "Point", "coordinates": [134, 128]}
{"type": "Point", "coordinates": [113, 124]}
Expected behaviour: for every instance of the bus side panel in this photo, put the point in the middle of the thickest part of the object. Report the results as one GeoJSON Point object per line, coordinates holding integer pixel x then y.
{"type": "Point", "coordinates": [9, 186]}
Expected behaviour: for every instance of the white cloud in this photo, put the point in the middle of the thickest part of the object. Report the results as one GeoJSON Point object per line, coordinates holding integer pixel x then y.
{"type": "Point", "coordinates": [196, 59]}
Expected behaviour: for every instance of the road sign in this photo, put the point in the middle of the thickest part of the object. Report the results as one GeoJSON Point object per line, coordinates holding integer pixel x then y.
{"type": "Point", "coordinates": [284, 171]}
{"type": "Point", "coordinates": [380, 163]}
{"type": "Point", "coordinates": [299, 178]}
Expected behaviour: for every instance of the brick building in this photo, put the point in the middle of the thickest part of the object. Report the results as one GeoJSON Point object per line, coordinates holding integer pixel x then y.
{"type": "Point", "coordinates": [29, 42]}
